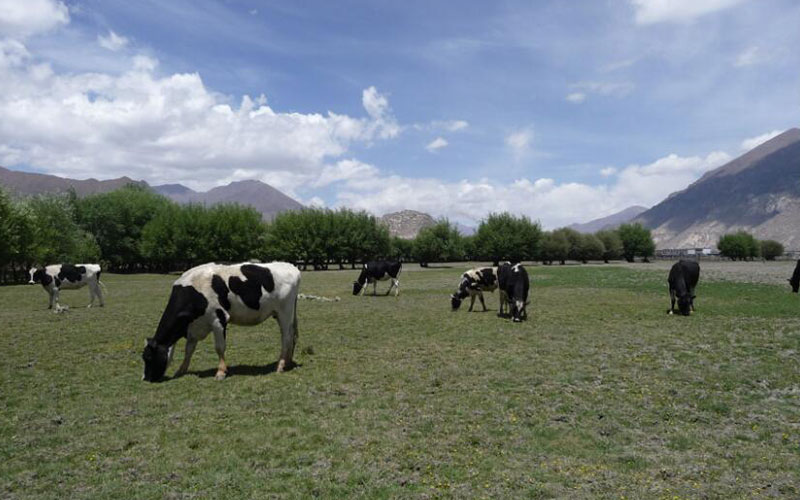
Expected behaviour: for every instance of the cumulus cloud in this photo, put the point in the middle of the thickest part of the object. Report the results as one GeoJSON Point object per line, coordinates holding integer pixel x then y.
{"type": "Point", "coordinates": [520, 141]}
{"type": "Point", "coordinates": [345, 170]}
{"type": "Point", "coordinates": [112, 41]}
{"type": "Point", "coordinates": [752, 142]}
{"type": "Point", "coordinates": [169, 128]}
{"type": "Point", "coordinates": [576, 97]}
{"type": "Point", "coordinates": [436, 144]}
{"type": "Point", "coordinates": [555, 204]}
{"type": "Point", "coordinates": [658, 11]}
{"type": "Point", "coordinates": [20, 19]}
{"type": "Point", "coordinates": [608, 171]}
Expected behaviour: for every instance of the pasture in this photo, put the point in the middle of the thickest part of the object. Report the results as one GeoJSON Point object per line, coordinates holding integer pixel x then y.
{"type": "Point", "coordinates": [599, 393]}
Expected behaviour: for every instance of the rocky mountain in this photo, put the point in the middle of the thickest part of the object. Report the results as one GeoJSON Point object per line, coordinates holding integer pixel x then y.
{"type": "Point", "coordinates": [758, 192]}
{"type": "Point", "coordinates": [27, 183]}
{"type": "Point", "coordinates": [263, 197]}
{"type": "Point", "coordinates": [407, 224]}
{"type": "Point", "coordinates": [609, 222]}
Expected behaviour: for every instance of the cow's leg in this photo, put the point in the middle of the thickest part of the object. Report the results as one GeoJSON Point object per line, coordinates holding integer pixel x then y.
{"type": "Point", "coordinates": [92, 292]}
{"type": "Point", "coordinates": [287, 320]}
{"type": "Point", "coordinates": [52, 295]}
{"type": "Point", "coordinates": [671, 301]}
{"type": "Point", "coordinates": [480, 296]}
{"type": "Point", "coordinates": [58, 307]}
{"type": "Point", "coordinates": [396, 286]}
{"type": "Point", "coordinates": [191, 343]}
{"type": "Point", "coordinates": [391, 285]}
{"type": "Point", "coordinates": [375, 287]}
{"type": "Point", "coordinates": [220, 327]}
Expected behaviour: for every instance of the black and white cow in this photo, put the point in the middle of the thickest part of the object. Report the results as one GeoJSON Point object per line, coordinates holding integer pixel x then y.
{"type": "Point", "coordinates": [375, 271]}
{"type": "Point", "coordinates": [514, 285]}
{"type": "Point", "coordinates": [795, 279]}
{"type": "Point", "coordinates": [683, 278]}
{"type": "Point", "coordinates": [68, 277]}
{"type": "Point", "coordinates": [209, 297]}
{"type": "Point", "coordinates": [473, 283]}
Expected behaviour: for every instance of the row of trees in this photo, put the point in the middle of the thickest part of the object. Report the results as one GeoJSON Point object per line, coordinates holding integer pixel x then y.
{"type": "Point", "coordinates": [744, 246]}
{"type": "Point", "coordinates": [134, 229]}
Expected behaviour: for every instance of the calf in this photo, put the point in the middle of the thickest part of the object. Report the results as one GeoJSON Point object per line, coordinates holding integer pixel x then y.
{"type": "Point", "coordinates": [795, 279]}
{"type": "Point", "coordinates": [68, 277]}
{"type": "Point", "coordinates": [378, 270]}
{"type": "Point", "coordinates": [514, 285]}
{"type": "Point", "coordinates": [683, 278]}
{"type": "Point", "coordinates": [473, 283]}
{"type": "Point", "coordinates": [209, 297]}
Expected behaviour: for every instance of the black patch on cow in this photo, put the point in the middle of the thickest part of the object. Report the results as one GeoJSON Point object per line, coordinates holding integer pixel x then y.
{"type": "Point", "coordinates": [795, 279]}
{"type": "Point", "coordinates": [71, 273]}
{"type": "Point", "coordinates": [98, 276]}
{"type": "Point", "coordinates": [58, 282]}
{"type": "Point", "coordinates": [222, 321]}
{"type": "Point", "coordinates": [41, 276]}
{"type": "Point", "coordinates": [221, 289]}
{"type": "Point", "coordinates": [250, 291]}
{"type": "Point", "coordinates": [185, 305]}
{"type": "Point", "coordinates": [156, 358]}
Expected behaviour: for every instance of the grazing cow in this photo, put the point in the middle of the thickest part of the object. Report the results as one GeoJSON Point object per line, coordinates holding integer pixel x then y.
{"type": "Point", "coordinates": [68, 277]}
{"type": "Point", "coordinates": [473, 283]}
{"type": "Point", "coordinates": [378, 270]}
{"type": "Point", "coordinates": [682, 280]}
{"type": "Point", "coordinates": [514, 285]}
{"type": "Point", "coordinates": [795, 279]}
{"type": "Point", "coordinates": [209, 297]}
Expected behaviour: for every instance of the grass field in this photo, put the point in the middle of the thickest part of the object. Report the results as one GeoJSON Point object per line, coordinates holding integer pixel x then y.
{"type": "Point", "coordinates": [599, 394]}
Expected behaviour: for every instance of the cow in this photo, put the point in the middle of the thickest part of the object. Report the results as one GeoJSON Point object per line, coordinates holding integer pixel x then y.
{"type": "Point", "coordinates": [378, 270]}
{"type": "Point", "coordinates": [682, 281]}
{"type": "Point", "coordinates": [795, 279]}
{"type": "Point", "coordinates": [59, 277]}
{"type": "Point", "coordinates": [514, 285]}
{"type": "Point", "coordinates": [473, 283]}
{"type": "Point", "coordinates": [211, 296]}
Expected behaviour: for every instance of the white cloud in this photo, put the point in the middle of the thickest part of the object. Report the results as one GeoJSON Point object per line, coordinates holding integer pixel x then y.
{"type": "Point", "coordinates": [454, 125]}
{"type": "Point", "coordinates": [23, 18]}
{"type": "Point", "coordinates": [750, 57]}
{"type": "Point", "coordinates": [752, 142]}
{"type": "Point", "coordinates": [614, 89]}
{"type": "Point", "coordinates": [520, 141]}
{"type": "Point", "coordinates": [345, 170]}
{"type": "Point", "coordinates": [436, 144]}
{"type": "Point", "coordinates": [112, 41]}
{"type": "Point", "coordinates": [168, 128]}
{"type": "Point", "coordinates": [555, 204]}
{"type": "Point", "coordinates": [608, 171]}
{"type": "Point", "coordinates": [576, 97]}
{"type": "Point", "coordinates": [658, 11]}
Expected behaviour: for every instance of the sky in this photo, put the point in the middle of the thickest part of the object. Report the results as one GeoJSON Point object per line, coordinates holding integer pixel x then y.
{"type": "Point", "coordinates": [559, 111]}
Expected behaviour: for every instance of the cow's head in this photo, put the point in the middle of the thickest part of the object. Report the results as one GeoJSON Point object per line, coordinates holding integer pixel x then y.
{"type": "Point", "coordinates": [156, 359]}
{"type": "Point", "coordinates": [35, 275]}
{"type": "Point", "coordinates": [455, 302]}
{"type": "Point", "coordinates": [518, 312]}
{"type": "Point", "coordinates": [357, 287]}
{"type": "Point", "coordinates": [685, 304]}
{"type": "Point", "coordinates": [795, 283]}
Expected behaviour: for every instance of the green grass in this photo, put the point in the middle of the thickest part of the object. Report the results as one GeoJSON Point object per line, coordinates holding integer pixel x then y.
{"type": "Point", "coordinates": [600, 393]}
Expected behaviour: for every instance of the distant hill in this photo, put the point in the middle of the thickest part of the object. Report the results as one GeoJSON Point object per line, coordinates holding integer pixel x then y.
{"type": "Point", "coordinates": [27, 183]}
{"type": "Point", "coordinates": [758, 192]}
{"type": "Point", "coordinates": [465, 230]}
{"type": "Point", "coordinates": [407, 224]}
{"type": "Point", "coordinates": [263, 197]}
{"type": "Point", "coordinates": [612, 221]}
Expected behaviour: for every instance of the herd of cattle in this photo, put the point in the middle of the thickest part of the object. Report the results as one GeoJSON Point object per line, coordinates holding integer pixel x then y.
{"type": "Point", "coordinates": [209, 297]}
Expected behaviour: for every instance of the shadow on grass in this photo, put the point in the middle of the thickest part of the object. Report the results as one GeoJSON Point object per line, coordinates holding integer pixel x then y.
{"type": "Point", "coordinates": [242, 370]}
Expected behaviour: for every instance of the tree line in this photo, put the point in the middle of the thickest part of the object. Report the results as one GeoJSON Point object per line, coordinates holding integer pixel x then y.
{"type": "Point", "coordinates": [742, 245]}
{"type": "Point", "coordinates": [134, 229]}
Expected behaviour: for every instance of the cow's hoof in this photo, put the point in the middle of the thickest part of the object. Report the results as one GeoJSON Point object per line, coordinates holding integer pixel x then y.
{"type": "Point", "coordinates": [220, 376]}
{"type": "Point", "coordinates": [281, 366]}
{"type": "Point", "coordinates": [516, 320]}
{"type": "Point", "coordinates": [669, 311]}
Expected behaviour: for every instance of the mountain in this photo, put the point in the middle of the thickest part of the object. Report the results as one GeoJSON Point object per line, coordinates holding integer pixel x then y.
{"type": "Point", "coordinates": [407, 224]}
{"type": "Point", "coordinates": [758, 192]}
{"type": "Point", "coordinates": [465, 230]}
{"type": "Point", "coordinates": [27, 183]}
{"type": "Point", "coordinates": [263, 197]}
{"type": "Point", "coordinates": [609, 222]}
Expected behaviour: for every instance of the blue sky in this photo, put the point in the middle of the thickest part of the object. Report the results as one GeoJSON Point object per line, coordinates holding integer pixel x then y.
{"type": "Point", "coordinates": [562, 111]}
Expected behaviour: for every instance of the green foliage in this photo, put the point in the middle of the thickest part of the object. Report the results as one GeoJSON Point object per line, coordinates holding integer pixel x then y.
{"type": "Point", "coordinates": [438, 243]}
{"type": "Point", "coordinates": [590, 248]}
{"type": "Point", "coordinates": [770, 249]}
{"type": "Point", "coordinates": [636, 241]}
{"type": "Point", "coordinates": [554, 247]}
{"type": "Point", "coordinates": [117, 219]}
{"type": "Point", "coordinates": [739, 246]}
{"type": "Point", "coordinates": [401, 249]}
{"type": "Point", "coordinates": [506, 237]}
{"type": "Point", "coordinates": [612, 244]}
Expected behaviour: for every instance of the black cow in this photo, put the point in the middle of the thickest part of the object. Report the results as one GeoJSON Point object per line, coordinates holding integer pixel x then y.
{"type": "Point", "coordinates": [683, 278]}
{"type": "Point", "coordinates": [514, 285]}
{"type": "Point", "coordinates": [795, 279]}
{"type": "Point", "coordinates": [209, 297]}
{"type": "Point", "coordinates": [378, 270]}
{"type": "Point", "coordinates": [473, 283]}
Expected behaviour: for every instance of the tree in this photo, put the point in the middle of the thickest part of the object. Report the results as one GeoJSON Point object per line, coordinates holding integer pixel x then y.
{"type": "Point", "coordinates": [591, 248]}
{"type": "Point", "coordinates": [770, 249]}
{"type": "Point", "coordinates": [438, 243]}
{"type": "Point", "coordinates": [554, 247]}
{"type": "Point", "coordinates": [740, 245]}
{"type": "Point", "coordinates": [402, 249]}
{"type": "Point", "coordinates": [612, 245]}
{"type": "Point", "coordinates": [636, 241]}
{"type": "Point", "coordinates": [505, 237]}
